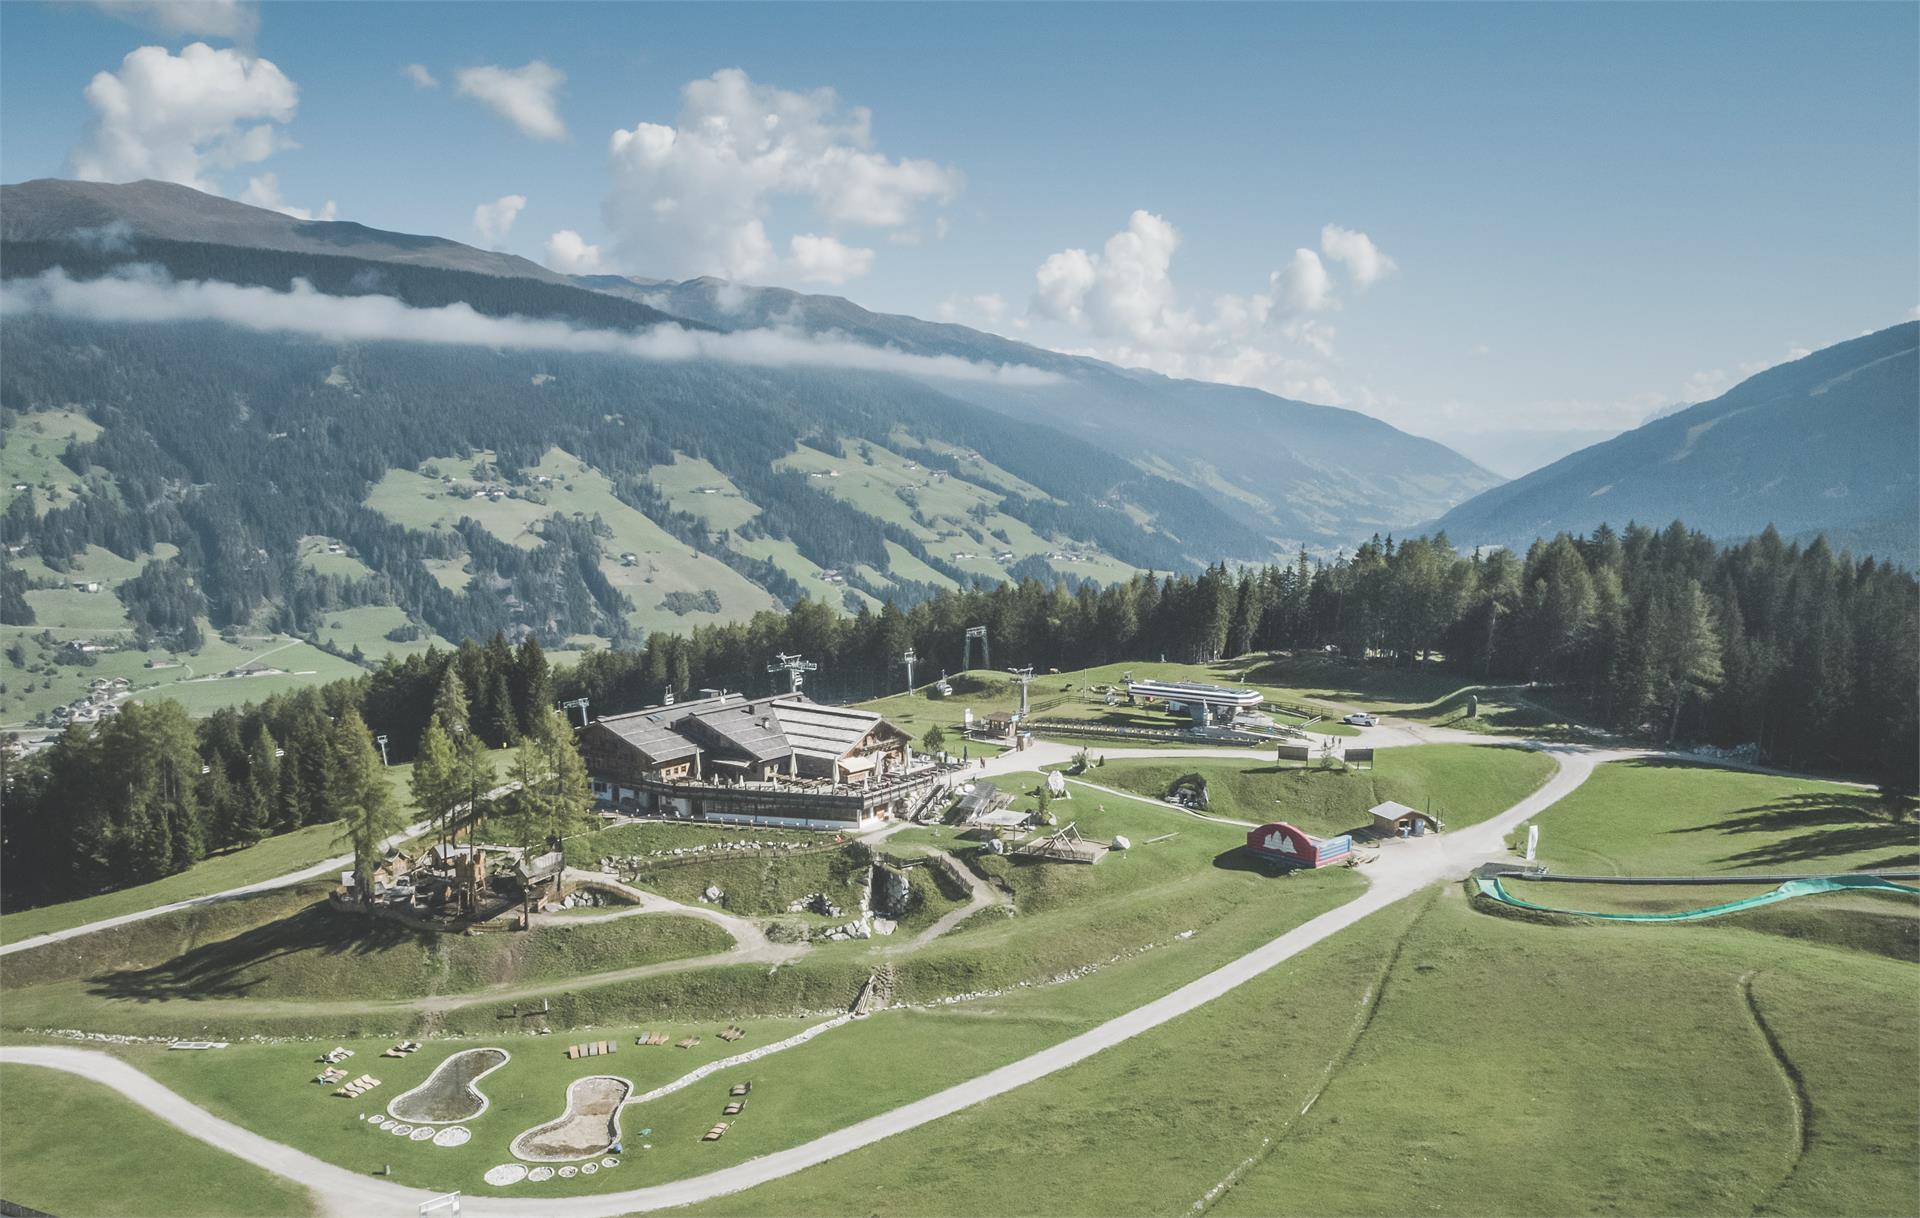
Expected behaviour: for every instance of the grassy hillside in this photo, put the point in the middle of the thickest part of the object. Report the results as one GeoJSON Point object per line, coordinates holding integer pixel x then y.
{"type": "Point", "coordinates": [844, 1075]}
{"type": "Point", "coordinates": [1672, 818]}
{"type": "Point", "coordinates": [1462, 784]}
{"type": "Point", "coordinates": [76, 1147]}
{"type": "Point", "coordinates": [30, 461]}
{"type": "Point", "coordinates": [957, 519]}
{"type": "Point", "coordinates": [441, 492]}
{"type": "Point", "coordinates": [1437, 1051]}
{"type": "Point", "coordinates": [695, 486]}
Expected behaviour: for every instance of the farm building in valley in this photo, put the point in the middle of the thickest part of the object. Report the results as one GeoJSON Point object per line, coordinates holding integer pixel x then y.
{"type": "Point", "coordinates": [782, 760]}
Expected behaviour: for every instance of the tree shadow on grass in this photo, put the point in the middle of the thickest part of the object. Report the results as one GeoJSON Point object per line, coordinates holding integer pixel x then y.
{"type": "Point", "coordinates": [1819, 826]}
{"type": "Point", "coordinates": [237, 966]}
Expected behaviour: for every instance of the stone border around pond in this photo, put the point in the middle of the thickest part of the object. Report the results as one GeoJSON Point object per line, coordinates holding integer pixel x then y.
{"type": "Point", "coordinates": [566, 1114]}
{"type": "Point", "coordinates": [473, 1085]}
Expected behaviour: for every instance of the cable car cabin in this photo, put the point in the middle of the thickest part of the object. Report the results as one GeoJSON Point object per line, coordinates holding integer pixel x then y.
{"type": "Point", "coordinates": [1282, 843]}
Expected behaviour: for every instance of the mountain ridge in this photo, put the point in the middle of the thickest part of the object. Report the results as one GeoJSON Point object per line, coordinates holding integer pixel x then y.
{"type": "Point", "coordinates": [1302, 474]}
{"type": "Point", "coordinates": [1822, 444]}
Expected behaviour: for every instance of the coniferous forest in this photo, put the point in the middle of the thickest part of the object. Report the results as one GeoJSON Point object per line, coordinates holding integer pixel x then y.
{"type": "Point", "coordinates": [1808, 655]}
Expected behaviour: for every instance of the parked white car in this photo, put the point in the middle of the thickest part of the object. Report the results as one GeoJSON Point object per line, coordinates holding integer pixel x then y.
{"type": "Point", "coordinates": [1360, 719]}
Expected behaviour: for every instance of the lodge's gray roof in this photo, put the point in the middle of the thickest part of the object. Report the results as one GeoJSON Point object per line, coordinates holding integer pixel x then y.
{"type": "Point", "coordinates": [751, 729]}
{"type": "Point", "coordinates": [651, 731]}
{"type": "Point", "coordinates": [763, 729]}
{"type": "Point", "coordinates": [826, 732]}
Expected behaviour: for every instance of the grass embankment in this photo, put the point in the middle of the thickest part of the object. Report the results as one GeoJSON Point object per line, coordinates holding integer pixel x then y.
{"type": "Point", "coordinates": [271, 857]}
{"type": "Point", "coordinates": [1884, 923]}
{"type": "Point", "coordinates": [70, 1146]}
{"type": "Point", "coordinates": [289, 946]}
{"type": "Point", "coordinates": [267, 859]}
{"type": "Point", "coordinates": [845, 1075]}
{"type": "Point", "coordinates": [1425, 693]}
{"type": "Point", "coordinates": [1623, 1070]}
{"type": "Point", "coordinates": [1674, 818]}
{"type": "Point", "coordinates": [647, 837]}
{"type": "Point", "coordinates": [763, 885]}
{"type": "Point", "coordinates": [1463, 784]}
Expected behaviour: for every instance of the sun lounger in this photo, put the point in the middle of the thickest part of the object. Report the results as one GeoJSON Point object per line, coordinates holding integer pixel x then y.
{"type": "Point", "coordinates": [573, 1051]}
{"type": "Point", "coordinates": [716, 1133]}
{"type": "Point", "coordinates": [734, 1109]}
{"type": "Point", "coordinates": [740, 1089]}
{"type": "Point", "coordinates": [689, 1043]}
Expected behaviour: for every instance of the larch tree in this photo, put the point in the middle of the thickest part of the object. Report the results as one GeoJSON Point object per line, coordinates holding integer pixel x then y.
{"type": "Point", "coordinates": [438, 785]}
{"type": "Point", "coordinates": [359, 793]}
{"type": "Point", "coordinates": [553, 796]}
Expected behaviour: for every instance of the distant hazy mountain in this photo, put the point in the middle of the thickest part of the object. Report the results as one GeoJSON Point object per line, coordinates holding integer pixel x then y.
{"type": "Point", "coordinates": [1515, 451]}
{"type": "Point", "coordinates": [1300, 473]}
{"type": "Point", "coordinates": [104, 213]}
{"type": "Point", "coordinates": [1826, 444]}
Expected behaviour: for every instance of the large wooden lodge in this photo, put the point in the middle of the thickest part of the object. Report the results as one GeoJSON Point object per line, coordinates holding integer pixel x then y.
{"type": "Point", "coordinates": [782, 761]}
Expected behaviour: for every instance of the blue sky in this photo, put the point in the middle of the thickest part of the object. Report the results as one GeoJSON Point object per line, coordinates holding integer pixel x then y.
{"type": "Point", "coordinates": [1513, 218]}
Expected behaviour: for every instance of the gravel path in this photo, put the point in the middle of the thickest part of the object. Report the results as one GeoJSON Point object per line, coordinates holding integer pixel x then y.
{"type": "Point", "coordinates": [1408, 868]}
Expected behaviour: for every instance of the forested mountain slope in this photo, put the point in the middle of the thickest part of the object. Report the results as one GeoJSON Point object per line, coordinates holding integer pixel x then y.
{"type": "Point", "coordinates": [1824, 444]}
{"type": "Point", "coordinates": [1314, 475]}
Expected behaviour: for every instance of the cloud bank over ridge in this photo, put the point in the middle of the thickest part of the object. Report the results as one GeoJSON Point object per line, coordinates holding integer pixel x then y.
{"type": "Point", "coordinates": [146, 297]}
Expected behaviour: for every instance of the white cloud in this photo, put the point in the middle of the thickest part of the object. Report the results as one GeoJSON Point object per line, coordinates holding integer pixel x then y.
{"type": "Point", "coordinates": [1303, 285]}
{"type": "Point", "coordinates": [1357, 252]}
{"type": "Point", "coordinates": [524, 96]}
{"type": "Point", "coordinates": [146, 297]}
{"type": "Point", "coordinates": [817, 259]}
{"type": "Point", "coordinates": [569, 253]}
{"type": "Point", "coordinates": [182, 117]}
{"type": "Point", "coordinates": [1121, 304]}
{"type": "Point", "coordinates": [234, 20]}
{"type": "Point", "coordinates": [264, 191]}
{"type": "Point", "coordinates": [694, 198]}
{"type": "Point", "coordinates": [493, 220]}
{"type": "Point", "coordinates": [421, 78]}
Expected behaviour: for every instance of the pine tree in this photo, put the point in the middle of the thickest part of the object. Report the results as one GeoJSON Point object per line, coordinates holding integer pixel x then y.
{"type": "Point", "coordinates": [531, 683]}
{"type": "Point", "coordinates": [261, 799]}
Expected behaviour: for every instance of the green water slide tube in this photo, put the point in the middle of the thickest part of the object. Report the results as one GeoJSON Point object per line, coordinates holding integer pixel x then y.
{"type": "Point", "coordinates": [1490, 886]}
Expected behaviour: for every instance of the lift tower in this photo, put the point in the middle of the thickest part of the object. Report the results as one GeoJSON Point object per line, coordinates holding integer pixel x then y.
{"type": "Point", "coordinates": [909, 659]}
{"type": "Point", "coordinates": [793, 666]}
{"type": "Point", "coordinates": [986, 656]}
{"type": "Point", "coordinates": [1024, 676]}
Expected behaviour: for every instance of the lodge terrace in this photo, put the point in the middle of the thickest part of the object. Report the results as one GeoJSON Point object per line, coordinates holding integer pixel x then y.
{"type": "Point", "coordinates": [781, 761]}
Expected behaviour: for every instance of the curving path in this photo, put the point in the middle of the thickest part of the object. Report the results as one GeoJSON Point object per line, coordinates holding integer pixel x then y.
{"type": "Point", "coordinates": [982, 895]}
{"type": "Point", "coordinates": [1407, 869]}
